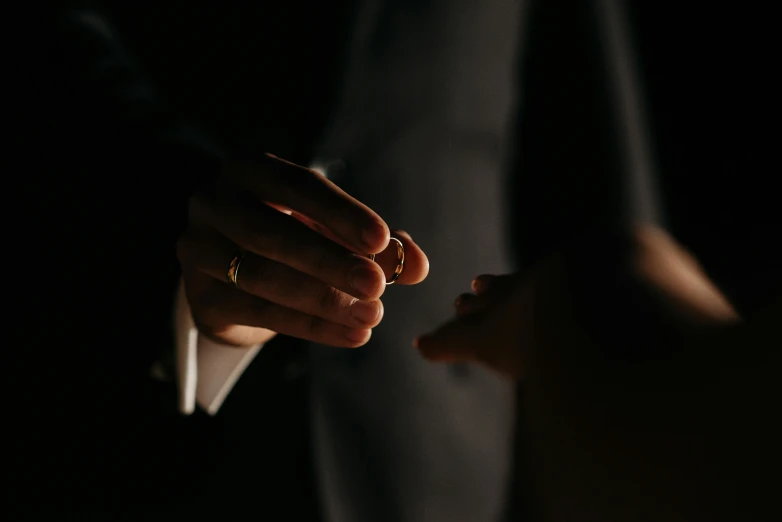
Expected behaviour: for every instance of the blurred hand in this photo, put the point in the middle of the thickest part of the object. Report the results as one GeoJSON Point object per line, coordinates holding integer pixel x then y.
{"type": "Point", "coordinates": [646, 278]}
{"type": "Point", "coordinates": [305, 273]}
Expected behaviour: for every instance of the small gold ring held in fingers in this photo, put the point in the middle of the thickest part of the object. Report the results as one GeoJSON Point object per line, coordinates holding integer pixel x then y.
{"type": "Point", "coordinates": [233, 267]}
{"type": "Point", "coordinates": [400, 263]}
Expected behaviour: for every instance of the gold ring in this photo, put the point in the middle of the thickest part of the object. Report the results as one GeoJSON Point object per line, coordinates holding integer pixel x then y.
{"type": "Point", "coordinates": [400, 263]}
{"type": "Point", "coordinates": [233, 268]}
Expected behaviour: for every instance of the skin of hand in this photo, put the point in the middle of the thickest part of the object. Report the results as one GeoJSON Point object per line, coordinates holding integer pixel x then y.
{"type": "Point", "coordinates": [305, 273]}
{"type": "Point", "coordinates": [643, 395]}
{"type": "Point", "coordinates": [510, 315]}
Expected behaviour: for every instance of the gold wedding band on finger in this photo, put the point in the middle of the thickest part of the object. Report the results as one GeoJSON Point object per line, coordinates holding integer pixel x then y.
{"type": "Point", "coordinates": [233, 268]}
{"type": "Point", "coordinates": [400, 263]}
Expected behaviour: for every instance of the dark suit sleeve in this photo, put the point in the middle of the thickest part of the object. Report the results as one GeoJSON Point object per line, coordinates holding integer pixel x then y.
{"type": "Point", "coordinates": [113, 170]}
{"type": "Point", "coordinates": [104, 107]}
{"type": "Point", "coordinates": [119, 167]}
{"type": "Point", "coordinates": [101, 197]}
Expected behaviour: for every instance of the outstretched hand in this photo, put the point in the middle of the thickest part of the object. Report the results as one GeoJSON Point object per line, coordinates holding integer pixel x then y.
{"type": "Point", "coordinates": [586, 296]}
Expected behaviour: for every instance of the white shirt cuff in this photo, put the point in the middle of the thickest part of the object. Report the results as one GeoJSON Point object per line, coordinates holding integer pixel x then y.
{"type": "Point", "coordinates": [206, 370]}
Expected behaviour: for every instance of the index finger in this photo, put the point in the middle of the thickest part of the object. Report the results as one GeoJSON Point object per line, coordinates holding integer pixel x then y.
{"type": "Point", "coordinates": [416, 264]}
{"type": "Point", "coordinates": [277, 181]}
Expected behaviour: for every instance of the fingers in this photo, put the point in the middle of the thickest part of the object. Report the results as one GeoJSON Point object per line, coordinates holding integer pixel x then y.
{"type": "Point", "coordinates": [458, 340]}
{"type": "Point", "coordinates": [490, 337]}
{"type": "Point", "coordinates": [304, 191]}
{"type": "Point", "coordinates": [482, 329]}
{"type": "Point", "coordinates": [488, 288]}
{"type": "Point", "coordinates": [230, 315]}
{"type": "Point", "coordinates": [304, 264]}
{"type": "Point", "coordinates": [468, 304]}
{"type": "Point", "coordinates": [416, 266]}
{"type": "Point", "coordinates": [489, 282]}
{"type": "Point", "coordinates": [271, 234]}
{"type": "Point", "coordinates": [207, 251]}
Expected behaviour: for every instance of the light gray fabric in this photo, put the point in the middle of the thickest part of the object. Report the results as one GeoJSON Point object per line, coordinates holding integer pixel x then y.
{"type": "Point", "coordinates": [423, 129]}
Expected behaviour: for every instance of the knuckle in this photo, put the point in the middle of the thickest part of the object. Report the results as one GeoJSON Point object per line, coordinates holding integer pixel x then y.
{"type": "Point", "coordinates": [263, 237]}
{"type": "Point", "coordinates": [294, 180]}
{"type": "Point", "coordinates": [304, 178]}
{"type": "Point", "coordinates": [328, 298]}
{"type": "Point", "coordinates": [307, 181]}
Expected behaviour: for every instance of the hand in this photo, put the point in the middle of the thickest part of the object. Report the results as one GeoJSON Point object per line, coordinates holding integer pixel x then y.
{"type": "Point", "coordinates": [487, 328]}
{"type": "Point", "coordinates": [305, 273]}
{"type": "Point", "coordinates": [644, 279]}
{"type": "Point", "coordinates": [630, 363]}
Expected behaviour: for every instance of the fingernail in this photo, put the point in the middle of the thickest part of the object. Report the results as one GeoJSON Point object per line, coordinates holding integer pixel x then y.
{"type": "Point", "coordinates": [373, 235]}
{"type": "Point", "coordinates": [365, 312]}
{"type": "Point", "coordinates": [357, 336]}
{"type": "Point", "coordinates": [364, 280]}
{"type": "Point", "coordinates": [475, 285]}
